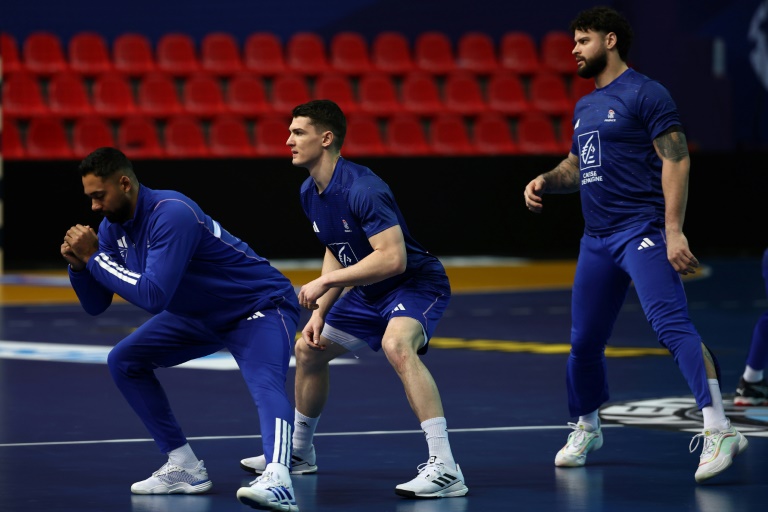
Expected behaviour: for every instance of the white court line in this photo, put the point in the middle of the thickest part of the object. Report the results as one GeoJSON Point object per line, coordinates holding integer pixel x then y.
{"type": "Point", "coordinates": [318, 434]}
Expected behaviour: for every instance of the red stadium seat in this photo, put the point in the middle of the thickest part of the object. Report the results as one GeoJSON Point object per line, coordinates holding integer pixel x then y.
{"type": "Point", "coordinates": [506, 95]}
{"type": "Point", "coordinates": [202, 96]}
{"type": "Point", "coordinates": [338, 88]}
{"type": "Point", "coordinates": [9, 50]}
{"type": "Point", "coordinates": [176, 55]}
{"type": "Point", "coordinates": [90, 133]}
{"type": "Point", "coordinates": [271, 134]}
{"type": "Point", "coordinates": [476, 52]}
{"type": "Point", "coordinates": [47, 139]}
{"type": "Point", "coordinates": [463, 94]}
{"type": "Point", "coordinates": [378, 95]}
{"type": "Point", "coordinates": [305, 54]}
{"type": "Point", "coordinates": [518, 53]}
{"type": "Point", "coordinates": [184, 138]}
{"type": "Point", "coordinates": [158, 96]}
{"type": "Point", "coordinates": [43, 54]}
{"type": "Point", "coordinates": [349, 54]}
{"type": "Point", "coordinates": [406, 136]}
{"type": "Point", "coordinates": [364, 137]}
{"type": "Point", "coordinates": [391, 53]}
{"type": "Point", "coordinates": [113, 96]}
{"type": "Point", "coordinates": [536, 135]}
{"type": "Point", "coordinates": [11, 146]}
{"type": "Point", "coordinates": [137, 137]}
{"type": "Point", "coordinates": [556, 56]}
{"type": "Point", "coordinates": [289, 91]}
{"type": "Point", "coordinates": [421, 95]}
{"type": "Point", "coordinates": [264, 54]}
{"type": "Point", "coordinates": [449, 136]}
{"type": "Point", "coordinates": [565, 133]}
{"type": "Point", "coordinates": [23, 96]}
{"type": "Point", "coordinates": [132, 54]}
{"type": "Point", "coordinates": [220, 54]}
{"type": "Point", "coordinates": [433, 53]}
{"type": "Point", "coordinates": [229, 137]}
{"type": "Point", "coordinates": [89, 54]}
{"type": "Point", "coordinates": [247, 96]}
{"type": "Point", "coordinates": [68, 96]}
{"type": "Point", "coordinates": [581, 87]}
{"type": "Point", "coordinates": [493, 135]}
{"type": "Point", "coordinates": [549, 94]}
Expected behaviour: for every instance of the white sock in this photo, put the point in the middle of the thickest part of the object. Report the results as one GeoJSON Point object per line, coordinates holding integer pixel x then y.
{"type": "Point", "coordinates": [752, 375]}
{"type": "Point", "coordinates": [436, 430]}
{"type": "Point", "coordinates": [303, 433]}
{"type": "Point", "coordinates": [714, 415]}
{"type": "Point", "coordinates": [183, 456]}
{"type": "Point", "coordinates": [591, 421]}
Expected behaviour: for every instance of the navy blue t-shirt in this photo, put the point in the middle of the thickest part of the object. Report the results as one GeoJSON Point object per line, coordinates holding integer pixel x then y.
{"type": "Point", "coordinates": [614, 129]}
{"type": "Point", "coordinates": [356, 205]}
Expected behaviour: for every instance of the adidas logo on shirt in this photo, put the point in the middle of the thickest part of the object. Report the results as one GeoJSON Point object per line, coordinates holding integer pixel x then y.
{"type": "Point", "coordinates": [315, 228]}
{"type": "Point", "coordinates": [399, 307]}
{"type": "Point", "coordinates": [256, 315]}
{"type": "Point", "coordinates": [646, 243]}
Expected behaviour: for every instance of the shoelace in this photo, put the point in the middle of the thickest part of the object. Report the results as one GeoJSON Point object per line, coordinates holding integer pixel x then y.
{"type": "Point", "coordinates": [167, 468]}
{"type": "Point", "coordinates": [709, 444]}
{"type": "Point", "coordinates": [427, 466]}
{"type": "Point", "coordinates": [578, 434]}
{"type": "Point", "coordinates": [267, 480]}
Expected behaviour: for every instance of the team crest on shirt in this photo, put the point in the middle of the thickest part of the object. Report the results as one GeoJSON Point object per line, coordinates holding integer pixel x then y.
{"type": "Point", "coordinates": [589, 150]}
{"type": "Point", "coordinates": [611, 118]}
{"type": "Point", "coordinates": [346, 226]}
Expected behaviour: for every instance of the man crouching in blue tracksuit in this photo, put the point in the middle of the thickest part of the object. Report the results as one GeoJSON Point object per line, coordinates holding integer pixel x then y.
{"type": "Point", "coordinates": [208, 291]}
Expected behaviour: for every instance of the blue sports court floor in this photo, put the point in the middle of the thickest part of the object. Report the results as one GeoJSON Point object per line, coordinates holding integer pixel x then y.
{"type": "Point", "coordinates": [69, 442]}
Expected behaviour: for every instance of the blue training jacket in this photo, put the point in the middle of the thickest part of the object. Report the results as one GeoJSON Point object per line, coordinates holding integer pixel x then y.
{"type": "Point", "coordinates": [173, 257]}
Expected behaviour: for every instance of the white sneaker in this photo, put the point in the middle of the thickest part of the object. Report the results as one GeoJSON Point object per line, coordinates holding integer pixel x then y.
{"type": "Point", "coordinates": [299, 465]}
{"type": "Point", "coordinates": [720, 447]}
{"type": "Point", "coordinates": [173, 479]}
{"type": "Point", "coordinates": [434, 480]}
{"type": "Point", "coordinates": [269, 492]}
{"type": "Point", "coordinates": [579, 444]}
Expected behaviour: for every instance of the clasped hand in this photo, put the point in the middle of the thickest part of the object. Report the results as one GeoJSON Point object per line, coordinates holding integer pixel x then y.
{"type": "Point", "coordinates": [80, 243]}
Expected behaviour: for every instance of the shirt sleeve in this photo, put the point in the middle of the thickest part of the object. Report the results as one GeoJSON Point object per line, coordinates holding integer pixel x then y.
{"type": "Point", "coordinates": [373, 203]}
{"type": "Point", "coordinates": [174, 233]}
{"type": "Point", "coordinates": [657, 108]}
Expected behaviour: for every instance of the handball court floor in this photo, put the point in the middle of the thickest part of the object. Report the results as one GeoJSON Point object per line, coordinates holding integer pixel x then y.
{"type": "Point", "coordinates": [69, 442]}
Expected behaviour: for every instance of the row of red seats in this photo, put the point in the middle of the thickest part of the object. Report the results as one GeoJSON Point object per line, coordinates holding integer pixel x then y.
{"type": "Point", "coordinates": [232, 136]}
{"type": "Point", "coordinates": [304, 52]}
{"type": "Point", "coordinates": [160, 95]}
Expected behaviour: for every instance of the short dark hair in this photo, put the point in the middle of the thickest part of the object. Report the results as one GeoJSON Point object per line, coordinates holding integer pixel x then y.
{"type": "Point", "coordinates": [105, 162]}
{"type": "Point", "coordinates": [325, 115]}
{"type": "Point", "coordinates": [605, 19]}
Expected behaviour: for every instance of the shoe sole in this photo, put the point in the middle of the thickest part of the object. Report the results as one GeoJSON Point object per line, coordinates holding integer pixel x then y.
{"type": "Point", "coordinates": [439, 494]}
{"type": "Point", "coordinates": [308, 471]}
{"type": "Point", "coordinates": [247, 500]}
{"type": "Point", "coordinates": [749, 402]}
{"type": "Point", "coordinates": [179, 488]}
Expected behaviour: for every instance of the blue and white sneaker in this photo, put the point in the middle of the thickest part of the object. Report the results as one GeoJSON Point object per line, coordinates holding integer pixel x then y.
{"type": "Point", "coordinates": [300, 465]}
{"type": "Point", "coordinates": [434, 480]}
{"type": "Point", "coordinates": [173, 479]}
{"type": "Point", "coordinates": [269, 492]}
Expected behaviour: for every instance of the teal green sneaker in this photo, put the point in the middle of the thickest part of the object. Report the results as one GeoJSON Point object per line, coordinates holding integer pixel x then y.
{"type": "Point", "coordinates": [720, 447]}
{"type": "Point", "coordinates": [580, 443]}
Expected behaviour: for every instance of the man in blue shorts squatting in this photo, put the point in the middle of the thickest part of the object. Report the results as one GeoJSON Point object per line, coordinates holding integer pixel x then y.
{"type": "Point", "coordinates": [629, 159]}
{"type": "Point", "coordinates": [208, 290]}
{"type": "Point", "coordinates": [398, 293]}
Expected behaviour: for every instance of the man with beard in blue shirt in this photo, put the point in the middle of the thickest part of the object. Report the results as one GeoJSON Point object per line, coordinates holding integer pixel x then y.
{"type": "Point", "coordinates": [629, 161]}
